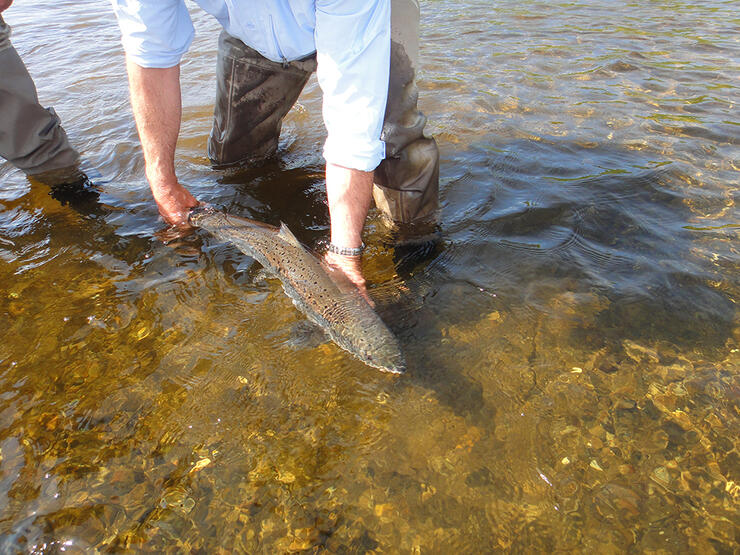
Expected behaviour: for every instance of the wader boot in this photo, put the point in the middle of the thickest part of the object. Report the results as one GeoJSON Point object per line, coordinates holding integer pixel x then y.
{"type": "Point", "coordinates": [31, 136]}
{"type": "Point", "coordinates": [407, 182]}
{"type": "Point", "coordinates": [254, 94]}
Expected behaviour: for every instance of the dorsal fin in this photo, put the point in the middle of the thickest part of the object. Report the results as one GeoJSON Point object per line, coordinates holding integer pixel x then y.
{"type": "Point", "coordinates": [286, 235]}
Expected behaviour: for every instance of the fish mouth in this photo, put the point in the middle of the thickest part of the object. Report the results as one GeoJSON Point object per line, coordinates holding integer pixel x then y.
{"type": "Point", "coordinates": [199, 210]}
{"type": "Point", "coordinates": [385, 355]}
{"type": "Point", "coordinates": [391, 368]}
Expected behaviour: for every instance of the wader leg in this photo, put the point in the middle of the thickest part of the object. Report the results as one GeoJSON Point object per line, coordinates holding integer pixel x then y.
{"type": "Point", "coordinates": [252, 97]}
{"type": "Point", "coordinates": [407, 181]}
{"type": "Point", "coordinates": [31, 137]}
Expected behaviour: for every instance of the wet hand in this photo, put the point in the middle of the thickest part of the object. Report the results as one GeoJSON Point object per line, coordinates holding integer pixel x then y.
{"type": "Point", "coordinates": [174, 202]}
{"type": "Point", "coordinates": [5, 4]}
{"type": "Point", "coordinates": [182, 239]}
{"type": "Point", "coordinates": [351, 267]}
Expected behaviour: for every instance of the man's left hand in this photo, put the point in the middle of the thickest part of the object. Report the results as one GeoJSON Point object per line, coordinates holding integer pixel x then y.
{"type": "Point", "coordinates": [349, 193]}
{"type": "Point", "coordinates": [351, 267]}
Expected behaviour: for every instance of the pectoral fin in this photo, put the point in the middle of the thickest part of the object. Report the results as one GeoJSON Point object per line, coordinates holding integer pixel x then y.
{"type": "Point", "coordinates": [304, 334]}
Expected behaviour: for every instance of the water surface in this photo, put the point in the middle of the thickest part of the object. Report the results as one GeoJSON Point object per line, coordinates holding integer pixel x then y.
{"type": "Point", "coordinates": [572, 343]}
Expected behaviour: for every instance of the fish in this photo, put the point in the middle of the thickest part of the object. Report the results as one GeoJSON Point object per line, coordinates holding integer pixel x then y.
{"type": "Point", "coordinates": [325, 295]}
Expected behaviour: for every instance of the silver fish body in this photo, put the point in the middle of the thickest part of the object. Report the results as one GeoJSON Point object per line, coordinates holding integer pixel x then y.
{"type": "Point", "coordinates": [324, 295]}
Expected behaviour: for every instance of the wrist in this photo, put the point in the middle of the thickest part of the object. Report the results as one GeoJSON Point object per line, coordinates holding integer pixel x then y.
{"type": "Point", "coordinates": [349, 193]}
{"type": "Point", "coordinates": [161, 179]}
{"type": "Point", "coordinates": [346, 251]}
{"type": "Point", "coordinates": [343, 237]}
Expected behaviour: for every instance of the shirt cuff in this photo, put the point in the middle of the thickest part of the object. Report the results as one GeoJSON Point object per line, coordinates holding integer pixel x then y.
{"type": "Point", "coordinates": [153, 61]}
{"type": "Point", "coordinates": [355, 154]}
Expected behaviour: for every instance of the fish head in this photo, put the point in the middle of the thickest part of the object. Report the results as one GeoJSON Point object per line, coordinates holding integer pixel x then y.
{"type": "Point", "coordinates": [365, 335]}
{"type": "Point", "coordinates": [382, 353]}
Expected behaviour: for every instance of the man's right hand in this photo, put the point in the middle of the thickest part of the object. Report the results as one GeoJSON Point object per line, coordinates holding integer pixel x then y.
{"type": "Point", "coordinates": [5, 4]}
{"type": "Point", "coordinates": [173, 200]}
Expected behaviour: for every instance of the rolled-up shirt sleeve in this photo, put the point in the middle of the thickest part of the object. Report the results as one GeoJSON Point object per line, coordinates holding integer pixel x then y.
{"type": "Point", "coordinates": [353, 54]}
{"type": "Point", "coordinates": [154, 33]}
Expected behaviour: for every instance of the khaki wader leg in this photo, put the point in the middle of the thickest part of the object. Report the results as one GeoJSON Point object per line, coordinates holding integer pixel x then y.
{"type": "Point", "coordinates": [407, 182]}
{"type": "Point", "coordinates": [31, 137]}
{"type": "Point", "coordinates": [253, 96]}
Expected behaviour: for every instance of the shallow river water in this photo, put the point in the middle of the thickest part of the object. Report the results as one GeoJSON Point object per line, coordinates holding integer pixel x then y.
{"type": "Point", "coordinates": [572, 343]}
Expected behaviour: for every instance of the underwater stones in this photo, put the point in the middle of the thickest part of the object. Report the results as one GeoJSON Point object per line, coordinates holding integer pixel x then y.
{"type": "Point", "coordinates": [479, 478]}
{"type": "Point", "coordinates": [384, 511]}
{"type": "Point", "coordinates": [201, 464]}
{"type": "Point", "coordinates": [661, 476]}
{"type": "Point", "coordinates": [640, 353]}
{"type": "Point", "coordinates": [616, 501]}
{"type": "Point", "coordinates": [675, 371]}
{"type": "Point", "coordinates": [16, 308]}
{"type": "Point", "coordinates": [177, 499]}
{"type": "Point", "coordinates": [298, 539]}
{"type": "Point", "coordinates": [428, 491]}
{"type": "Point", "coordinates": [285, 476]}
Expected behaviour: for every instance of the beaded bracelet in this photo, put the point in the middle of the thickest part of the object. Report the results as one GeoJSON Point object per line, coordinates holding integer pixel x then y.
{"type": "Point", "coordinates": [346, 251]}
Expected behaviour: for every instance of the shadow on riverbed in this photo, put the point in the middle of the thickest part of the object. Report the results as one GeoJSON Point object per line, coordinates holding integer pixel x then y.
{"type": "Point", "coordinates": [515, 224]}
{"type": "Point", "coordinates": [580, 261]}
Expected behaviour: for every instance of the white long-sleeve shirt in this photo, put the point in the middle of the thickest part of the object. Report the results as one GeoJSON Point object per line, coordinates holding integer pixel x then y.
{"type": "Point", "coordinates": [351, 39]}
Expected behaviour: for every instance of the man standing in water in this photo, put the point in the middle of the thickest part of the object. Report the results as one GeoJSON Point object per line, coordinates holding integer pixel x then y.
{"type": "Point", "coordinates": [31, 136]}
{"type": "Point", "coordinates": [267, 51]}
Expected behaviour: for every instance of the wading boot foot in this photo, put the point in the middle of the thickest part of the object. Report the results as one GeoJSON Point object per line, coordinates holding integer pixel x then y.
{"type": "Point", "coordinates": [413, 244]}
{"type": "Point", "coordinates": [80, 192]}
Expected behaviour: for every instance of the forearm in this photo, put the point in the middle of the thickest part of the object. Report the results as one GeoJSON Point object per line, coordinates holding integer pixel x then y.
{"type": "Point", "coordinates": [349, 193]}
{"type": "Point", "coordinates": [156, 103]}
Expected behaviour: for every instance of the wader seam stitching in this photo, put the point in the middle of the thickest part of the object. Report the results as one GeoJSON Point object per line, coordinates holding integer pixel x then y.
{"type": "Point", "coordinates": [230, 104]}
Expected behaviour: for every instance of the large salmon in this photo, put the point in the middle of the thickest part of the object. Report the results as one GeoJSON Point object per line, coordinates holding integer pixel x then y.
{"type": "Point", "coordinates": [326, 296]}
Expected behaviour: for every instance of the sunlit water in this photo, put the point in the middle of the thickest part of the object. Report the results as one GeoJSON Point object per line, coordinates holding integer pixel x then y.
{"type": "Point", "coordinates": [572, 343]}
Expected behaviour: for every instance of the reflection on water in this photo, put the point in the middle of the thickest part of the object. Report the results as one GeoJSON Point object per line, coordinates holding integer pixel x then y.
{"type": "Point", "coordinates": [572, 344]}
